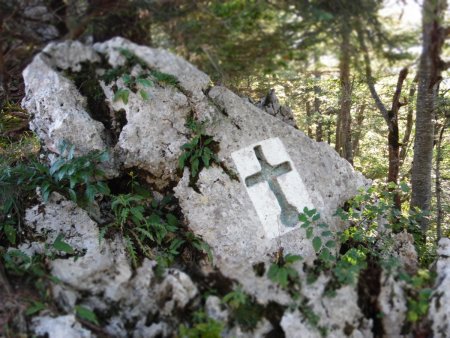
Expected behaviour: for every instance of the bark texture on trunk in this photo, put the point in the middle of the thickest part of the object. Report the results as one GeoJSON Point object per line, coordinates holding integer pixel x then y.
{"type": "Point", "coordinates": [358, 130]}
{"type": "Point", "coordinates": [309, 119]}
{"type": "Point", "coordinates": [344, 132]}
{"type": "Point", "coordinates": [317, 92]}
{"type": "Point", "coordinates": [439, 211]}
{"type": "Point", "coordinates": [409, 124]}
{"type": "Point", "coordinates": [429, 76]}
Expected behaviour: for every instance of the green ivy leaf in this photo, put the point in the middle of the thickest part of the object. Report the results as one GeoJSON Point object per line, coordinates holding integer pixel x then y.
{"type": "Point", "coordinates": [303, 218]}
{"type": "Point", "coordinates": [330, 244]}
{"type": "Point", "coordinates": [60, 245]}
{"type": "Point", "coordinates": [145, 96]}
{"type": "Point", "coordinates": [121, 94]}
{"type": "Point", "coordinates": [86, 314]}
{"type": "Point", "coordinates": [309, 233]}
{"type": "Point", "coordinates": [10, 233]}
{"type": "Point", "coordinates": [206, 158]}
{"type": "Point", "coordinates": [195, 164]}
{"type": "Point", "coordinates": [327, 233]}
{"type": "Point", "coordinates": [35, 308]}
{"type": "Point", "coordinates": [144, 82]}
{"type": "Point", "coordinates": [317, 243]}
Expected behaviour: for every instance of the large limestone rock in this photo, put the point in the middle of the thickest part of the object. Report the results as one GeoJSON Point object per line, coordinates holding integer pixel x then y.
{"type": "Point", "coordinates": [100, 277]}
{"type": "Point", "coordinates": [439, 313]}
{"type": "Point", "coordinates": [245, 208]}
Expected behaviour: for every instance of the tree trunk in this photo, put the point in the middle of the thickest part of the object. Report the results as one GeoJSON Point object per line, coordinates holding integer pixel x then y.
{"type": "Point", "coordinates": [343, 133]}
{"type": "Point", "coordinates": [390, 116]}
{"type": "Point", "coordinates": [317, 92]}
{"type": "Point", "coordinates": [409, 123]}
{"type": "Point", "coordinates": [309, 119]}
{"type": "Point", "coordinates": [358, 130]}
{"type": "Point", "coordinates": [429, 76]}
{"type": "Point", "coordinates": [393, 135]}
{"type": "Point", "coordinates": [439, 159]}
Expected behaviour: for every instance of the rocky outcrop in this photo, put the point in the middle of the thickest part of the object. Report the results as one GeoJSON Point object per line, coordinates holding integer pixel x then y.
{"type": "Point", "coordinates": [264, 172]}
{"type": "Point", "coordinates": [439, 313]}
{"type": "Point", "coordinates": [271, 105]}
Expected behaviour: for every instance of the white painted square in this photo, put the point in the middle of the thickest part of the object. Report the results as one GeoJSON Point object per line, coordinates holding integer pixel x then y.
{"type": "Point", "coordinates": [279, 178]}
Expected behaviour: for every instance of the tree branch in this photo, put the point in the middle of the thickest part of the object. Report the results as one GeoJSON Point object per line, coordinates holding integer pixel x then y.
{"type": "Point", "coordinates": [369, 78]}
{"type": "Point", "coordinates": [396, 104]}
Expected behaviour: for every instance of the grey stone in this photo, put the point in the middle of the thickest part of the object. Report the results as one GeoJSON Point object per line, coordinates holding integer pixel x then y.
{"type": "Point", "coordinates": [101, 266]}
{"type": "Point", "coordinates": [154, 330]}
{"type": "Point", "coordinates": [262, 329]}
{"type": "Point", "coordinates": [271, 105]}
{"type": "Point", "coordinates": [439, 312]}
{"type": "Point", "coordinates": [62, 326]}
{"type": "Point", "coordinates": [393, 305]}
{"type": "Point", "coordinates": [224, 215]}
{"type": "Point", "coordinates": [191, 79]}
{"type": "Point", "coordinates": [58, 110]}
{"type": "Point", "coordinates": [215, 309]}
{"type": "Point", "coordinates": [175, 291]}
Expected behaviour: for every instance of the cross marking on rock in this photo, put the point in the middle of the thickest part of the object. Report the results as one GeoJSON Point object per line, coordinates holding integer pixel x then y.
{"type": "Point", "coordinates": [269, 174]}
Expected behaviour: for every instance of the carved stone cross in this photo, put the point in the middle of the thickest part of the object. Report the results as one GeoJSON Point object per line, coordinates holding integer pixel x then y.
{"type": "Point", "coordinates": [269, 173]}
{"type": "Point", "coordinates": [273, 185]}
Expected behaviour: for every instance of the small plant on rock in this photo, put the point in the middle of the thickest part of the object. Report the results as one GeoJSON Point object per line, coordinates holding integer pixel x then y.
{"type": "Point", "coordinates": [199, 151]}
{"type": "Point", "coordinates": [243, 308]}
{"type": "Point", "coordinates": [144, 79]}
{"type": "Point", "coordinates": [281, 270]}
{"type": "Point", "coordinates": [150, 228]}
{"type": "Point", "coordinates": [202, 327]}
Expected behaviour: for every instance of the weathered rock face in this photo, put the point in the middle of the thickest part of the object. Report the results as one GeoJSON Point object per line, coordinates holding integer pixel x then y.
{"type": "Point", "coordinates": [246, 208]}
{"type": "Point", "coordinates": [439, 314]}
{"type": "Point", "coordinates": [271, 105]}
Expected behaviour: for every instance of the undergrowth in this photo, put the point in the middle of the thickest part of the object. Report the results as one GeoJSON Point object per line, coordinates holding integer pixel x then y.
{"type": "Point", "coordinates": [199, 152]}
{"type": "Point", "coordinates": [374, 221]}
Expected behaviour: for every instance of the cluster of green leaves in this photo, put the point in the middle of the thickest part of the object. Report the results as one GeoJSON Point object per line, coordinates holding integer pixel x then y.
{"type": "Point", "coordinates": [243, 309]}
{"type": "Point", "coordinates": [33, 270]}
{"type": "Point", "coordinates": [148, 226]}
{"type": "Point", "coordinates": [198, 152]}
{"type": "Point", "coordinates": [322, 242]}
{"type": "Point", "coordinates": [418, 294]}
{"type": "Point", "coordinates": [345, 268]}
{"type": "Point", "coordinates": [77, 178]}
{"type": "Point", "coordinates": [313, 318]}
{"type": "Point", "coordinates": [203, 327]}
{"type": "Point", "coordinates": [281, 270]}
{"type": "Point", "coordinates": [145, 78]}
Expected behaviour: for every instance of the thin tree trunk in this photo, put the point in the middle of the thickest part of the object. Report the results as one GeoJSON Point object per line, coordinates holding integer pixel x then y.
{"type": "Point", "coordinates": [390, 116]}
{"type": "Point", "coordinates": [309, 118]}
{"type": "Point", "coordinates": [317, 92]}
{"type": "Point", "coordinates": [409, 124]}
{"type": "Point", "coordinates": [439, 159]}
{"type": "Point", "coordinates": [344, 134]}
{"type": "Point", "coordinates": [393, 136]}
{"type": "Point", "coordinates": [358, 130]}
{"type": "Point", "coordinates": [429, 76]}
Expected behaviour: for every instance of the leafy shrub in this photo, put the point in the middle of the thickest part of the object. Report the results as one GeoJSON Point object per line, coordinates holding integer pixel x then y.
{"type": "Point", "coordinates": [149, 227]}
{"type": "Point", "coordinates": [144, 79]}
{"type": "Point", "coordinates": [198, 152]}
{"type": "Point", "coordinates": [203, 327]}
{"type": "Point", "coordinates": [418, 294]}
{"type": "Point", "coordinates": [281, 271]}
{"type": "Point", "coordinates": [322, 241]}
{"type": "Point", "coordinates": [77, 178]}
{"type": "Point", "coordinates": [243, 309]}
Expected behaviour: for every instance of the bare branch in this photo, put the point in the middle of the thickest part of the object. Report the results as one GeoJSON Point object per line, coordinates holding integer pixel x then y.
{"type": "Point", "coordinates": [398, 91]}
{"type": "Point", "coordinates": [369, 78]}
